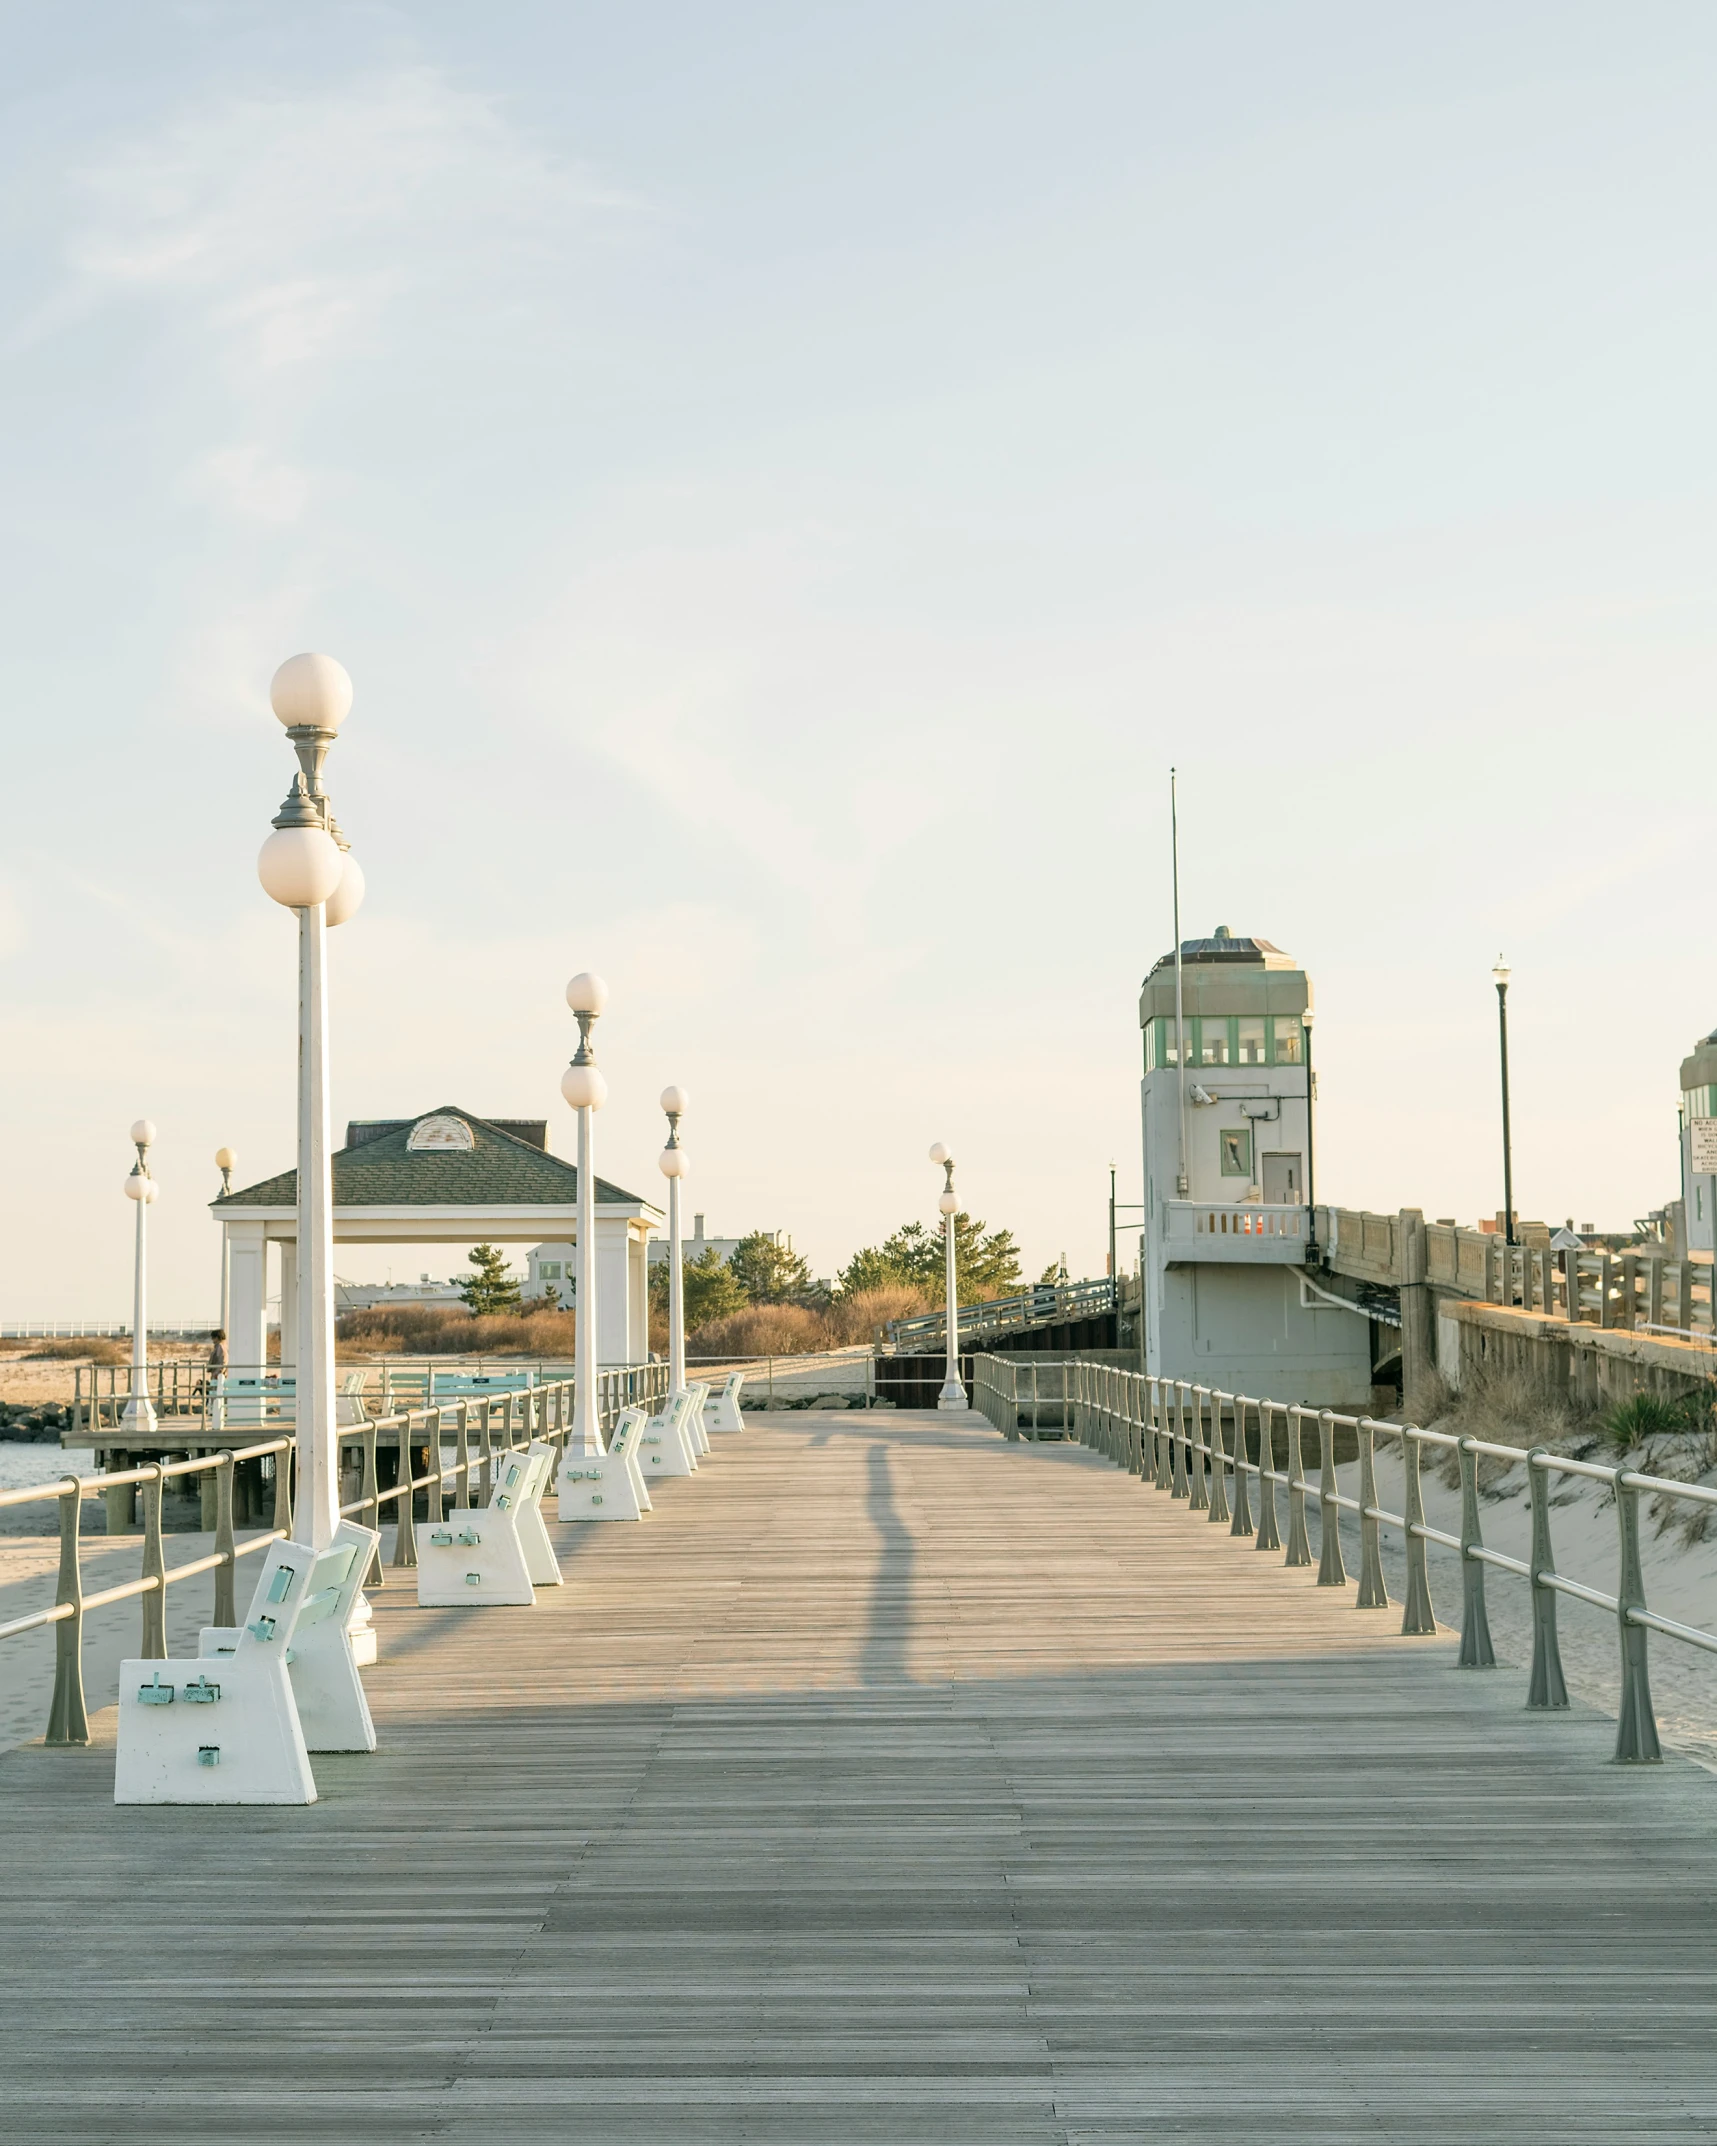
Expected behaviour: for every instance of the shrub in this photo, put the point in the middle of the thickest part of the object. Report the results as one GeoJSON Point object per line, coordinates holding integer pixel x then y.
{"type": "Point", "coordinates": [855, 1317]}
{"type": "Point", "coordinates": [1655, 1415]}
{"type": "Point", "coordinates": [763, 1330]}
{"type": "Point", "coordinates": [450, 1330]}
{"type": "Point", "coordinates": [90, 1349]}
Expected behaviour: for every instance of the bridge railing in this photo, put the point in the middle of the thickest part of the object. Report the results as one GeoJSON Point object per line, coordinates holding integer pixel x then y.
{"type": "Point", "coordinates": [480, 1430]}
{"type": "Point", "coordinates": [1641, 1291]}
{"type": "Point", "coordinates": [1171, 1433]}
{"type": "Point", "coordinates": [1047, 1304]}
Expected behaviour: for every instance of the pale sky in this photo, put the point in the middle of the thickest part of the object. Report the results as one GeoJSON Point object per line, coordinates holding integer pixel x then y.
{"type": "Point", "coordinates": [786, 481]}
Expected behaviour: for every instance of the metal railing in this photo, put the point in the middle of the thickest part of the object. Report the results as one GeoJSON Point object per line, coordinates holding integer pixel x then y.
{"type": "Point", "coordinates": [189, 1397]}
{"type": "Point", "coordinates": [1170, 1432]}
{"type": "Point", "coordinates": [480, 1430]}
{"type": "Point", "coordinates": [1045, 1305]}
{"type": "Point", "coordinates": [103, 1329]}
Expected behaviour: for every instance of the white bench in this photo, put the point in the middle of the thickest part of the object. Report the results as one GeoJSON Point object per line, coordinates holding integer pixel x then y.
{"type": "Point", "coordinates": [608, 1486]}
{"type": "Point", "coordinates": [495, 1553]}
{"type": "Point", "coordinates": [664, 1442]}
{"type": "Point", "coordinates": [225, 1728]}
{"type": "Point", "coordinates": [722, 1414]}
{"type": "Point", "coordinates": [332, 1643]}
{"type": "Point", "coordinates": [696, 1433]}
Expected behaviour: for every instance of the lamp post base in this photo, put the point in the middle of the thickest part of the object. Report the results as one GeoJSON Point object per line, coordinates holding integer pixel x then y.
{"type": "Point", "coordinates": [138, 1414]}
{"type": "Point", "coordinates": [953, 1395]}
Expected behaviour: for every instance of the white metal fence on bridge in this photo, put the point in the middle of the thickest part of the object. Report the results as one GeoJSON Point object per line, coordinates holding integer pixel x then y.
{"type": "Point", "coordinates": [1192, 1442]}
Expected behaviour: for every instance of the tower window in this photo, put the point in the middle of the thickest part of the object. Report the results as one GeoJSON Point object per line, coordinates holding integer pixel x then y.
{"type": "Point", "coordinates": [1252, 1042]}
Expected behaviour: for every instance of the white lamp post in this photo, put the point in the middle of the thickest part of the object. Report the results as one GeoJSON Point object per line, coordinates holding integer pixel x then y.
{"type": "Point", "coordinates": [139, 1413]}
{"type": "Point", "coordinates": [306, 865]}
{"type": "Point", "coordinates": [585, 1089]}
{"type": "Point", "coordinates": [226, 1162]}
{"type": "Point", "coordinates": [674, 1168]}
{"type": "Point", "coordinates": [953, 1394]}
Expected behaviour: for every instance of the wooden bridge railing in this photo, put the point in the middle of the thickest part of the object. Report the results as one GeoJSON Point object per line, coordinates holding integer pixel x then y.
{"type": "Point", "coordinates": [1171, 1433]}
{"type": "Point", "coordinates": [480, 1429]}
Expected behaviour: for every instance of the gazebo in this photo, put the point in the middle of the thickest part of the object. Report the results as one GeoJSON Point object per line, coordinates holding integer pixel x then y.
{"type": "Point", "coordinates": [448, 1177]}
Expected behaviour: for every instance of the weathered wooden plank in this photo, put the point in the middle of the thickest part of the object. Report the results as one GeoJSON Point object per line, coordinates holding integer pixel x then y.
{"type": "Point", "coordinates": [890, 1783]}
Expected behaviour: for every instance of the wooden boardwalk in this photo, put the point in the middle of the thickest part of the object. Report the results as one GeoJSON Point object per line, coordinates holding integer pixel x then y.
{"type": "Point", "coordinates": [891, 1783]}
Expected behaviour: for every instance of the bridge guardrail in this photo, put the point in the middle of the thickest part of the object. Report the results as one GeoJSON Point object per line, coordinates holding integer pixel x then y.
{"type": "Point", "coordinates": [1043, 1305]}
{"type": "Point", "coordinates": [502, 1423]}
{"type": "Point", "coordinates": [1170, 1431]}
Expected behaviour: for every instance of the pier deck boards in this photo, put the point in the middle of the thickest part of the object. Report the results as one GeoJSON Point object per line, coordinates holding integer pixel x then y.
{"type": "Point", "coordinates": [890, 1783]}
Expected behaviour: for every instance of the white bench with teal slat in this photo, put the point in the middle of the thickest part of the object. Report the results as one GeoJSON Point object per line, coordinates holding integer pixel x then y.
{"type": "Point", "coordinates": [607, 1486]}
{"type": "Point", "coordinates": [497, 1553]}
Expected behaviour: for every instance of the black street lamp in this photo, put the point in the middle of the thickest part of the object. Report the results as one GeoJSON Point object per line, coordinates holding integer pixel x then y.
{"type": "Point", "coordinates": [1499, 976]}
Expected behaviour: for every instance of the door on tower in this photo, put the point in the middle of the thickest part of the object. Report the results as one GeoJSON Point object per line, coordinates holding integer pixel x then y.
{"type": "Point", "coordinates": [1284, 1182]}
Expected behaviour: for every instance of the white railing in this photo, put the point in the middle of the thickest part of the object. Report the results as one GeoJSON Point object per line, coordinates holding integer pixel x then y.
{"type": "Point", "coordinates": [1171, 1433]}
{"type": "Point", "coordinates": [1216, 1230]}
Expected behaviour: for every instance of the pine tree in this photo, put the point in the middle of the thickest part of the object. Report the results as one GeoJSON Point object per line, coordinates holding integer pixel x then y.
{"type": "Point", "coordinates": [712, 1290]}
{"type": "Point", "coordinates": [493, 1287]}
{"type": "Point", "coordinates": [986, 1262]}
{"type": "Point", "coordinates": [768, 1272]}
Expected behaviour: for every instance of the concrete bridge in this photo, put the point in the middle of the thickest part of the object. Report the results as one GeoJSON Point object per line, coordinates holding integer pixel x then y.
{"type": "Point", "coordinates": [895, 1781]}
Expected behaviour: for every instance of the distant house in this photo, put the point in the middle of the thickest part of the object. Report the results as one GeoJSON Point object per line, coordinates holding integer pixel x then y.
{"type": "Point", "coordinates": [553, 1266]}
{"type": "Point", "coordinates": [365, 1296]}
{"type": "Point", "coordinates": [695, 1246]}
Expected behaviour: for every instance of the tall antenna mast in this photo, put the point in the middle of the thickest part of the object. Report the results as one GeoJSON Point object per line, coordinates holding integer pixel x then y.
{"type": "Point", "coordinates": [1181, 1186]}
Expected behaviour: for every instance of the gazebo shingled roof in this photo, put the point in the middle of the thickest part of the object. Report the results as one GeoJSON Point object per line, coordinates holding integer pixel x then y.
{"type": "Point", "coordinates": [497, 1170]}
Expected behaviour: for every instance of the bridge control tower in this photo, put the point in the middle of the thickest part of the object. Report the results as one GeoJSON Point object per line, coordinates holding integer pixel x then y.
{"type": "Point", "coordinates": [1228, 1146]}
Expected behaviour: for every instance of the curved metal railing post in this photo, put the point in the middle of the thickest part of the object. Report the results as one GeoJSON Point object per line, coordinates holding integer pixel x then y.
{"type": "Point", "coordinates": [154, 1648]}
{"type": "Point", "coordinates": [1218, 1483]}
{"type": "Point", "coordinates": [226, 1573]}
{"type": "Point", "coordinates": [462, 1462]}
{"type": "Point", "coordinates": [1299, 1542]}
{"type": "Point", "coordinates": [1198, 1485]}
{"type": "Point", "coordinates": [1417, 1614]}
{"type": "Point", "coordinates": [487, 1477]}
{"type": "Point", "coordinates": [1546, 1688]}
{"type": "Point", "coordinates": [370, 1491]}
{"type": "Point", "coordinates": [405, 1499]}
{"type": "Point", "coordinates": [1161, 1439]}
{"type": "Point", "coordinates": [1373, 1590]}
{"type": "Point", "coordinates": [1267, 1537]}
{"type": "Point", "coordinates": [1636, 1725]}
{"type": "Point", "coordinates": [284, 1462]}
{"type": "Point", "coordinates": [68, 1721]}
{"type": "Point", "coordinates": [1476, 1651]}
{"type": "Point", "coordinates": [1331, 1571]}
{"type": "Point", "coordinates": [1179, 1484]}
{"type": "Point", "coordinates": [1242, 1522]}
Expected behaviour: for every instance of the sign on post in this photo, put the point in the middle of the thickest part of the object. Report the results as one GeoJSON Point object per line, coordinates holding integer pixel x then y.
{"type": "Point", "coordinates": [1703, 1134]}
